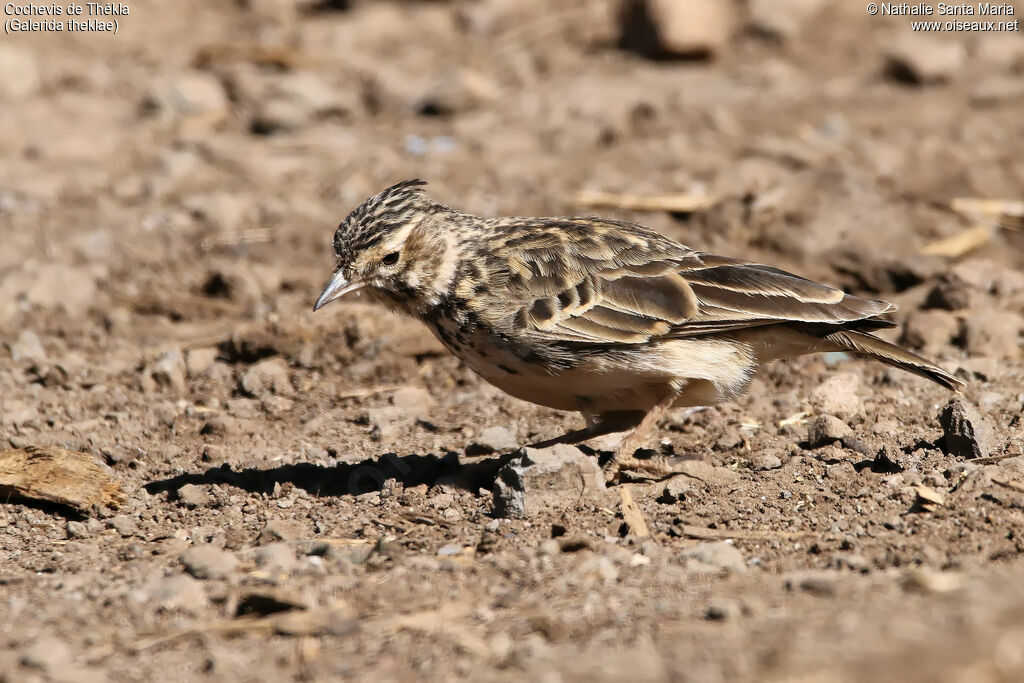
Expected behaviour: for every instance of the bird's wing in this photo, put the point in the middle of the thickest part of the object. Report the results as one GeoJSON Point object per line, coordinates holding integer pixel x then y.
{"type": "Point", "coordinates": [612, 286]}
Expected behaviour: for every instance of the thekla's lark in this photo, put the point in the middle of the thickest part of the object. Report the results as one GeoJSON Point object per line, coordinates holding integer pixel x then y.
{"type": "Point", "coordinates": [603, 317]}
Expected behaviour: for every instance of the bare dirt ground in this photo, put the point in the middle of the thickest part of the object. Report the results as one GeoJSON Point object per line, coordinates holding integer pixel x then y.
{"type": "Point", "coordinates": [310, 496]}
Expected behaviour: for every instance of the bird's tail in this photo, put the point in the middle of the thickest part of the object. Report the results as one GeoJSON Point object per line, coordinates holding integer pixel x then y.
{"type": "Point", "coordinates": [865, 344]}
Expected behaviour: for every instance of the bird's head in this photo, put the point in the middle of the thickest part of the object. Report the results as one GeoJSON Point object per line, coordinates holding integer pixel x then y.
{"type": "Point", "coordinates": [394, 247]}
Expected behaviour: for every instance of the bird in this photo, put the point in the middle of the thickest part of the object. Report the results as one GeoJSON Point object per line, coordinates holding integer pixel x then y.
{"type": "Point", "coordinates": [604, 317]}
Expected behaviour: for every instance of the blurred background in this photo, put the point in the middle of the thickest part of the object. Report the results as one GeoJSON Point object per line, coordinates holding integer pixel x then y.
{"type": "Point", "coordinates": [168, 195]}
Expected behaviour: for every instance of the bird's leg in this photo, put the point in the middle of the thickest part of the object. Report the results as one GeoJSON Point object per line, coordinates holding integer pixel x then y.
{"type": "Point", "coordinates": [608, 423]}
{"type": "Point", "coordinates": [624, 458]}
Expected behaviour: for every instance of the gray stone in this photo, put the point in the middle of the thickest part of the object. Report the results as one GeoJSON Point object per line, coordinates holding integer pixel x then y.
{"type": "Point", "coordinates": [123, 524]}
{"type": "Point", "coordinates": [193, 496]}
{"type": "Point", "coordinates": [208, 562]}
{"type": "Point", "coordinates": [825, 430]}
{"type": "Point", "coordinates": [546, 478]}
{"type": "Point", "coordinates": [966, 433]}
{"type": "Point", "coordinates": [709, 557]}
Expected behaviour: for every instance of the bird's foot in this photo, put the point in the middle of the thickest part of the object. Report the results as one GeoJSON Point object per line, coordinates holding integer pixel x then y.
{"type": "Point", "coordinates": [654, 468]}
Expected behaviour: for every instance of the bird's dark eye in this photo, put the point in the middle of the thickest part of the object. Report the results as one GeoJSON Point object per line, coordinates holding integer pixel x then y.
{"type": "Point", "coordinates": [390, 259]}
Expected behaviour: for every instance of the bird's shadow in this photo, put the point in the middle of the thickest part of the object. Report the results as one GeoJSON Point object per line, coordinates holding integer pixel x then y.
{"type": "Point", "coordinates": [348, 479]}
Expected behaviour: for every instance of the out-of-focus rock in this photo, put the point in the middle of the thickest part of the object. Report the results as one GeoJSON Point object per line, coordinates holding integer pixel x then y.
{"type": "Point", "coordinates": [670, 28]}
{"type": "Point", "coordinates": [27, 347]}
{"type": "Point", "coordinates": [175, 592]}
{"type": "Point", "coordinates": [188, 94]}
{"type": "Point", "coordinates": [781, 18]}
{"type": "Point", "coordinates": [282, 530]}
{"type": "Point", "coordinates": [994, 333]}
{"type": "Point", "coordinates": [930, 330]}
{"type": "Point", "coordinates": [966, 433]}
{"type": "Point", "coordinates": [838, 395]}
{"type": "Point", "coordinates": [270, 376]}
{"type": "Point", "coordinates": [713, 557]}
{"type": "Point", "coordinates": [19, 73]}
{"type": "Point", "coordinates": [768, 460]}
{"type": "Point", "coordinates": [198, 361]}
{"type": "Point", "coordinates": [208, 562]}
{"type": "Point", "coordinates": [546, 478]}
{"type": "Point", "coordinates": [997, 90]}
{"type": "Point", "coordinates": [922, 59]}
{"type": "Point", "coordinates": [166, 374]}
{"type": "Point", "coordinates": [950, 293]}
{"type": "Point", "coordinates": [461, 90]}
{"type": "Point", "coordinates": [293, 100]}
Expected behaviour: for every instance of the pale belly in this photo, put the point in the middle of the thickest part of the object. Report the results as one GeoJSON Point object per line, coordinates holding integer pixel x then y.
{"type": "Point", "coordinates": [703, 372]}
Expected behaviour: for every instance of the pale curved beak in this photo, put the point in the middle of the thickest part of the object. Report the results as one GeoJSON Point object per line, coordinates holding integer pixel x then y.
{"type": "Point", "coordinates": [335, 289]}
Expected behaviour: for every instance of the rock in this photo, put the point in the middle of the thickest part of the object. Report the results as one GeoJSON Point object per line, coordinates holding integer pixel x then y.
{"type": "Point", "coordinates": [818, 582]}
{"type": "Point", "coordinates": [28, 348]}
{"type": "Point", "coordinates": [781, 18]}
{"type": "Point", "coordinates": [276, 557]}
{"type": "Point", "coordinates": [18, 413]}
{"type": "Point", "coordinates": [997, 90]}
{"type": "Point", "coordinates": [19, 73]}
{"type": "Point", "coordinates": [67, 288]}
{"type": "Point", "coordinates": [722, 610]}
{"type": "Point", "coordinates": [675, 490]}
{"type": "Point", "coordinates": [460, 91]}
{"type": "Point", "coordinates": [921, 59]}
{"type": "Point", "coordinates": [193, 496]}
{"type": "Point", "coordinates": [827, 429]}
{"type": "Point", "coordinates": [198, 361]}
{"type": "Point", "coordinates": [711, 557]}
{"type": "Point", "coordinates": [208, 562]}
{"type": "Point", "coordinates": [178, 591]}
{"type": "Point", "coordinates": [766, 461]}
{"type": "Point", "coordinates": [123, 524]}
{"type": "Point", "coordinates": [189, 94]}
{"type": "Point", "coordinates": [965, 432]}
{"type": "Point", "coordinates": [950, 293]}
{"type": "Point", "coordinates": [415, 401]}
{"type": "Point", "coordinates": [708, 473]}
{"type": "Point", "coordinates": [46, 652]}
{"type": "Point", "coordinates": [838, 395]}
{"type": "Point", "coordinates": [994, 333]}
{"type": "Point", "coordinates": [546, 478]}
{"type": "Point", "coordinates": [77, 530]}
{"type": "Point", "coordinates": [291, 101]}
{"type": "Point", "coordinates": [167, 373]}
{"type": "Point", "coordinates": [669, 28]}
{"type": "Point", "coordinates": [493, 440]}
{"type": "Point", "coordinates": [266, 377]}
{"type": "Point", "coordinates": [930, 330]}
{"type": "Point", "coordinates": [282, 530]}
